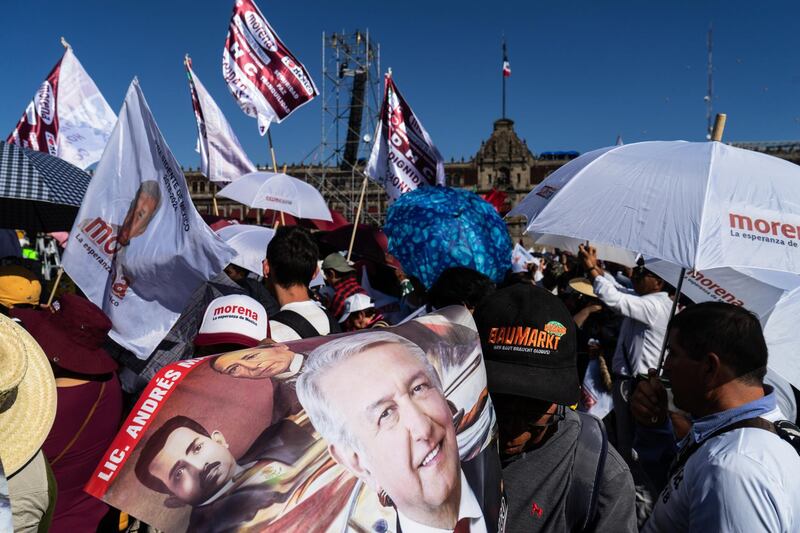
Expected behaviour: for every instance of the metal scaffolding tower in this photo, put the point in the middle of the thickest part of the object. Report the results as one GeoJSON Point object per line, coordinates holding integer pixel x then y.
{"type": "Point", "coordinates": [352, 91]}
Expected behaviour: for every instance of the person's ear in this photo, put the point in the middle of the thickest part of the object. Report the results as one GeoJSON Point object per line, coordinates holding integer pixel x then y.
{"type": "Point", "coordinates": [174, 503]}
{"type": "Point", "coordinates": [265, 267]}
{"type": "Point", "coordinates": [351, 460]}
{"type": "Point", "coordinates": [219, 438]}
{"type": "Point", "coordinates": [713, 368]}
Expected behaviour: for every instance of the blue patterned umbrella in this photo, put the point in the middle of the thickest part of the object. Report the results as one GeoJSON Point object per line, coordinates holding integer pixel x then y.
{"type": "Point", "coordinates": [38, 192]}
{"type": "Point", "coordinates": [434, 228]}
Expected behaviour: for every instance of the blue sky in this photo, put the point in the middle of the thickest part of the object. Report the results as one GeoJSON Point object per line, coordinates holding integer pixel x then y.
{"type": "Point", "coordinates": [582, 72]}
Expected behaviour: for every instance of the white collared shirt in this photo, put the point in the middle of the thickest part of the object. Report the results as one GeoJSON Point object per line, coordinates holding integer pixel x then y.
{"type": "Point", "coordinates": [468, 507]}
{"type": "Point", "coordinates": [642, 332]}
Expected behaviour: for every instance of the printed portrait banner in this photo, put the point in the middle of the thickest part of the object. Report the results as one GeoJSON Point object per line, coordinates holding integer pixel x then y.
{"type": "Point", "coordinates": [266, 80]}
{"type": "Point", "coordinates": [138, 248]}
{"type": "Point", "coordinates": [354, 432]}
{"type": "Point", "coordinates": [68, 116]}
{"type": "Point", "coordinates": [403, 157]}
{"type": "Point", "coordinates": [222, 158]}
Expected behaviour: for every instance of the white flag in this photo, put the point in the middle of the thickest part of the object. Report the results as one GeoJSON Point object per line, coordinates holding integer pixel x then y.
{"type": "Point", "coordinates": [138, 248]}
{"type": "Point", "coordinates": [222, 158]}
{"type": "Point", "coordinates": [403, 157]}
{"type": "Point", "coordinates": [68, 116]}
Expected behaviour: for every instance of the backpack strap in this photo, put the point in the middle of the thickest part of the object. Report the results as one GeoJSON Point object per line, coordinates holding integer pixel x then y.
{"type": "Point", "coordinates": [297, 322]}
{"type": "Point", "coordinates": [784, 429]}
{"type": "Point", "coordinates": [587, 473]}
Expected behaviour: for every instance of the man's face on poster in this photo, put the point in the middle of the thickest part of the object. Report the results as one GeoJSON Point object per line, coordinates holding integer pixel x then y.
{"type": "Point", "coordinates": [264, 362]}
{"type": "Point", "coordinates": [403, 427]}
{"type": "Point", "coordinates": [138, 217]}
{"type": "Point", "coordinates": [193, 466]}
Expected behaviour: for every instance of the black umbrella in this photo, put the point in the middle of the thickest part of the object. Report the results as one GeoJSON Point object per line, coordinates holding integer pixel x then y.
{"type": "Point", "coordinates": [38, 192]}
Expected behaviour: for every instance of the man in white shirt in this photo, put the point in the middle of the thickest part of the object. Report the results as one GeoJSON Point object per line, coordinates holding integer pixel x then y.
{"type": "Point", "coordinates": [394, 430]}
{"type": "Point", "coordinates": [646, 309]}
{"type": "Point", "coordinates": [289, 267]}
{"type": "Point", "coordinates": [732, 472]}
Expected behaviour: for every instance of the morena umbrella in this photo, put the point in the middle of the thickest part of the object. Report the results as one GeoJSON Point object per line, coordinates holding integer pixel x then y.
{"type": "Point", "coordinates": [699, 205]}
{"type": "Point", "coordinates": [38, 192]}
{"type": "Point", "coordinates": [431, 229]}
{"type": "Point", "coordinates": [280, 192]}
{"type": "Point", "coordinates": [772, 296]}
{"type": "Point", "coordinates": [250, 243]}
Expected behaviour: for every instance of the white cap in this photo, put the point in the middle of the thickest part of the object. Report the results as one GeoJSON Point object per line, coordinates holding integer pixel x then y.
{"type": "Point", "coordinates": [233, 319]}
{"type": "Point", "coordinates": [355, 303]}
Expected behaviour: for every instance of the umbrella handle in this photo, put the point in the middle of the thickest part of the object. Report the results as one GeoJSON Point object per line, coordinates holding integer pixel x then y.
{"type": "Point", "coordinates": [669, 323]}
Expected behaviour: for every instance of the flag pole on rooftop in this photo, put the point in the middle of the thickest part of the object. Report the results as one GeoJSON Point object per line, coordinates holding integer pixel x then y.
{"type": "Point", "coordinates": [505, 74]}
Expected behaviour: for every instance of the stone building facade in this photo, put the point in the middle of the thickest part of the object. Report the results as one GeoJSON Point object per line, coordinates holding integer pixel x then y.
{"type": "Point", "coordinates": [503, 163]}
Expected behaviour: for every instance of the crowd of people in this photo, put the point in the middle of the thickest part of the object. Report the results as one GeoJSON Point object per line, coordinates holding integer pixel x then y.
{"type": "Point", "coordinates": [709, 444]}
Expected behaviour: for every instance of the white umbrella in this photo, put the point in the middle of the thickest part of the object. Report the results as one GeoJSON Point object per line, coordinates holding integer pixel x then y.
{"type": "Point", "coordinates": [279, 192]}
{"type": "Point", "coordinates": [606, 253]}
{"type": "Point", "coordinates": [773, 296]}
{"type": "Point", "coordinates": [250, 243]}
{"type": "Point", "coordinates": [698, 205]}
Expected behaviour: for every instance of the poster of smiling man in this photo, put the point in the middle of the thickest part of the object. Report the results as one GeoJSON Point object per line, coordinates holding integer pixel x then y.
{"type": "Point", "coordinates": [384, 430]}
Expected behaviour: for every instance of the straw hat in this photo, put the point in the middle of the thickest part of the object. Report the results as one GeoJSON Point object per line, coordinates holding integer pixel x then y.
{"type": "Point", "coordinates": [583, 286]}
{"type": "Point", "coordinates": [27, 396]}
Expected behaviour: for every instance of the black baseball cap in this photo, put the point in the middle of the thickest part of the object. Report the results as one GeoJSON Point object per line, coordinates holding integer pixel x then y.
{"type": "Point", "coordinates": [529, 344]}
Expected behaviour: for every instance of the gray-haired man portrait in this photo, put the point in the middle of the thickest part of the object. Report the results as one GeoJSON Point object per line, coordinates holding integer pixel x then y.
{"type": "Point", "coordinates": [378, 402]}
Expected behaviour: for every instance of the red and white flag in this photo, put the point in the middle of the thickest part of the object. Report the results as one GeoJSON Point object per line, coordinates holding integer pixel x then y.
{"type": "Point", "coordinates": [68, 116]}
{"type": "Point", "coordinates": [403, 157]}
{"type": "Point", "coordinates": [222, 158]}
{"type": "Point", "coordinates": [266, 80]}
{"type": "Point", "coordinates": [506, 69]}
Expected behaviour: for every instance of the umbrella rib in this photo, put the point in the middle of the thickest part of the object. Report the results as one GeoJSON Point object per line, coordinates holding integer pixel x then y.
{"type": "Point", "coordinates": [705, 203]}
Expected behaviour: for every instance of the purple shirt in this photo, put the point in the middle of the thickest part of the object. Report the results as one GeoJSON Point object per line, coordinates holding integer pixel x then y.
{"type": "Point", "coordinates": [75, 510]}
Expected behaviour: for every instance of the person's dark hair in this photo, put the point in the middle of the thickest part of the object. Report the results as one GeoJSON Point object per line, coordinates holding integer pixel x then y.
{"type": "Point", "coordinates": [730, 331]}
{"type": "Point", "coordinates": [460, 286]}
{"type": "Point", "coordinates": [155, 444]}
{"type": "Point", "coordinates": [292, 256]}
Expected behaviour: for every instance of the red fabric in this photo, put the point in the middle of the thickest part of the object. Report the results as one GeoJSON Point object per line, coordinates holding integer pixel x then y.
{"type": "Point", "coordinates": [462, 526]}
{"type": "Point", "coordinates": [76, 511]}
{"type": "Point", "coordinates": [497, 199]}
{"type": "Point", "coordinates": [344, 289]}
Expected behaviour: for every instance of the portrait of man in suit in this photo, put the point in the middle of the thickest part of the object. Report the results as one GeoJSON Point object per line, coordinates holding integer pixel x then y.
{"type": "Point", "coordinates": [379, 403]}
{"type": "Point", "coordinates": [194, 466]}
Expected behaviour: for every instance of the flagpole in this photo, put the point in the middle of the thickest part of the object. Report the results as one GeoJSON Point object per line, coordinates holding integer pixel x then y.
{"type": "Point", "coordinates": [503, 75]}
{"type": "Point", "coordinates": [214, 199]}
{"type": "Point", "coordinates": [272, 152]}
{"type": "Point", "coordinates": [358, 217]}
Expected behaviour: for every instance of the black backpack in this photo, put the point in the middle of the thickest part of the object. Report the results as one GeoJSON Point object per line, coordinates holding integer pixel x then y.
{"type": "Point", "coordinates": [587, 474]}
{"type": "Point", "coordinates": [302, 326]}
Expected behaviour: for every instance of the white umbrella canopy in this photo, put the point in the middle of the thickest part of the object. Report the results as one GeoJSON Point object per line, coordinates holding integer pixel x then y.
{"type": "Point", "coordinates": [698, 205]}
{"type": "Point", "coordinates": [279, 192]}
{"type": "Point", "coordinates": [606, 253]}
{"type": "Point", "coordinates": [773, 296]}
{"type": "Point", "coordinates": [250, 243]}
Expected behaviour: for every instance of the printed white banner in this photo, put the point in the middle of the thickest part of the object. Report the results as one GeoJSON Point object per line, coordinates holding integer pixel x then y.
{"type": "Point", "coordinates": [68, 117]}
{"type": "Point", "coordinates": [138, 248]}
{"type": "Point", "coordinates": [403, 157]}
{"type": "Point", "coordinates": [266, 80]}
{"type": "Point", "coordinates": [222, 158]}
